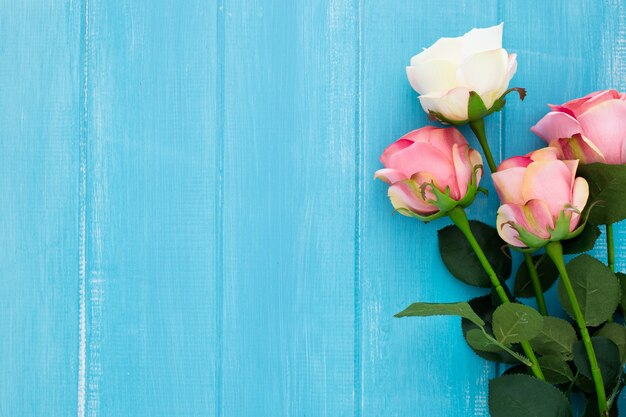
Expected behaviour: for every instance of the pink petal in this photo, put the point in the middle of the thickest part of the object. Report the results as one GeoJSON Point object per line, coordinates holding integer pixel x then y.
{"type": "Point", "coordinates": [544, 154]}
{"type": "Point", "coordinates": [605, 126]}
{"type": "Point", "coordinates": [475, 160]}
{"type": "Point", "coordinates": [421, 157]}
{"type": "Point", "coordinates": [390, 175]}
{"type": "Point", "coordinates": [395, 147]}
{"type": "Point", "coordinates": [508, 185]}
{"type": "Point", "coordinates": [515, 162]}
{"type": "Point", "coordinates": [578, 147]}
{"type": "Point", "coordinates": [580, 195]}
{"type": "Point", "coordinates": [445, 138]}
{"type": "Point", "coordinates": [550, 181]}
{"type": "Point", "coordinates": [556, 125]}
{"type": "Point", "coordinates": [463, 168]}
{"type": "Point", "coordinates": [538, 218]}
{"type": "Point", "coordinates": [507, 214]}
{"type": "Point", "coordinates": [403, 196]}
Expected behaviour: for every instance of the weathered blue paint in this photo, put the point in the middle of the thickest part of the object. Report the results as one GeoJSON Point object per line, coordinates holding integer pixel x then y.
{"type": "Point", "coordinates": [189, 224]}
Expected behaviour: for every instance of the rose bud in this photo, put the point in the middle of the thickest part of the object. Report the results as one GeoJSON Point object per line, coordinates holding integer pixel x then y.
{"type": "Point", "coordinates": [446, 73]}
{"type": "Point", "coordinates": [591, 128]}
{"type": "Point", "coordinates": [430, 171]}
{"type": "Point", "coordinates": [542, 199]}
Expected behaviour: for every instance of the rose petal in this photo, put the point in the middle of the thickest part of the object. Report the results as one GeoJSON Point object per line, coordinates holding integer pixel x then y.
{"type": "Point", "coordinates": [433, 76]}
{"type": "Point", "coordinates": [580, 195]}
{"type": "Point", "coordinates": [462, 167]}
{"type": "Point", "coordinates": [402, 195]}
{"type": "Point", "coordinates": [485, 73]}
{"type": "Point", "coordinates": [423, 157]}
{"type": "Point", "coordinates": [550, 181]}
{"type": "Point", "coordinates": [515, 162]}
{"type": "Point", "coordinates": [452, 105]}
{"type": "Point", "coordinates": [481, 39]}
{"type": "Point", "coordinates": [556, 125]}
{"type": "Point", "coordinates": [390, 176]}
{"type": "Point", "coordinates": [444, 48]}
{"type": "Point", "coordinates": [507, 214]}
{"type": "Point", "coordinates": [538, 218]}
{"type": "Point", "coordinates": [508, 185]}
{"type": "Point", "coordinates": [605, 126]}
{"type": "Point", "coordinates": [402, 143]}
{"type": "Point", "coordinates": [444, 139]}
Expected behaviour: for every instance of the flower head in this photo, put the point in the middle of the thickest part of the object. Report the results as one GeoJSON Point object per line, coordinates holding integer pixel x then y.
{"type": "Point", "coordinates": [430, 171]}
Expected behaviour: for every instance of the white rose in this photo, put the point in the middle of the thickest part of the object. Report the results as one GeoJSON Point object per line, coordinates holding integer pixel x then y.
{"type": "Point", "coordinates": [446, 73]}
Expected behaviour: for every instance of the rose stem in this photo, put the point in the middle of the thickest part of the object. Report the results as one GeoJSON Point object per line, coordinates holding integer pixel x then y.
{"type": "Point", "coordinates": [478, 127]}
{"type": "Point", "coordinates": [534, 278]}
{"type": "Point", "coordinates": [459, 218]}
{"type": "Point", "coordinates": [610, 248]}
{"type": "Point", "coordinates": [555, 252]}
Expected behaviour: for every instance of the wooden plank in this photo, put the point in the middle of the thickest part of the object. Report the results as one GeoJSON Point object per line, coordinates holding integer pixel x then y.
{"type": "Point", "coordinates": [40, 79]}
{"type": "Point", "coordinates": [289, 207]}
{"type": "Point", "coordinates": [411, 366]}
{"type": "Point", "coordinates": [152, 212]}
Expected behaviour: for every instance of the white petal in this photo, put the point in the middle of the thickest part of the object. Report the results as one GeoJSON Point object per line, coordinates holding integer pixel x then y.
{"type": "Point", "coordinates": [452, 105]}
{"type": "Point", "coordinates": [485, 73]}
{"type": "Point", "coordinates": [444, 48]}
{"type": "Point", "coordinates": [480, 40]}
{"type": "Point", "coordinates": [434, 76]}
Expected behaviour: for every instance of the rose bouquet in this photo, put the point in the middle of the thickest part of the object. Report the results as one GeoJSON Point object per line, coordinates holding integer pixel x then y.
{"type": "Point", "coordinates": [554, 201]}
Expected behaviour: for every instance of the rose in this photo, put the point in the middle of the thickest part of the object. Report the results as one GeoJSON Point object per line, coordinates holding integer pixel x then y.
{"type": "Point", "coordinates": [430, 171]}
{"type": "Point", "coordinates": [446, 73]}
{"type": "Point", "coordinates": [591, 128]}
{"type": "Point", "coordinates": [542, 198]}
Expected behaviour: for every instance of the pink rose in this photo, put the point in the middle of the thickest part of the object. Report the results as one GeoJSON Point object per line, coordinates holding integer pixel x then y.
{"type": "Point", "coordinates": [430, 170]}
{"type": "Point", "coordinates": [591, 128]}
{"type": "Point", "coordinates": [541, 198]}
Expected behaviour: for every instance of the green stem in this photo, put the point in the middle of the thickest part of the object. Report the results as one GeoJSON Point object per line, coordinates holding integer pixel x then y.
{"type": "Point", "coordinates": [610, 247]}
{"type": "Point", "coordinates": [459, 218]}
{"type": "Point", "coordinates": [555, 252]}
{"type": "Point", "coordinates": [478, 127]}
{"type": "Point", "coordinates": [534, 278]}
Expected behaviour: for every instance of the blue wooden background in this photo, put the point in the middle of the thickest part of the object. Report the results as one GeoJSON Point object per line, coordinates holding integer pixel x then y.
{"type": "Point", "coordinates": [188, 220]}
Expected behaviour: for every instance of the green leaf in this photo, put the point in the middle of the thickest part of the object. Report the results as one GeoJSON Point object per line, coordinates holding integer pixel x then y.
{"type": "Point", "coordinates": [591, 408]}
{"type": "Point", "coordinates": [476, 108]}
{"type": "Point", "coordinates": [606, 190]}
{"type": "Point", "coordinates": [477, 340]}
{"type": "Point", "coordinates": [555, 369]}
{"type": "Point", "coordinates": [525, 396]}
{"type": "Point", "coordinates": [557, 337]}
{"type": "Point", "coordinates": [616, 333]}
{"type": "Point", "coordinates": [460, 259]}
{"type": "Point", "coordinates": [514, 323]}
{"type": "Point", "coordinates": [484, 307]}
{"type": "Point", "coordinates": [442, 309]}
{"type": "Point", "coordinates": [584, 242]}
{"type": "Point", "coordinates": [596, 287]}
{"type": "Point", "coordinates": [547, 276]}
{"type": "Point", "coordinates": [608, 358]}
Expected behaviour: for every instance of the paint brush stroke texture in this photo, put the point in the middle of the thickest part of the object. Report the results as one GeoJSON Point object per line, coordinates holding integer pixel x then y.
{"type": "Point", "coordinates": [189, 224]}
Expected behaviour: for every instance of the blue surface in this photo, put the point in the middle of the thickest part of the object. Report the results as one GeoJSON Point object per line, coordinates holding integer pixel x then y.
{"type": "Point", "coordinates": [188, 221]}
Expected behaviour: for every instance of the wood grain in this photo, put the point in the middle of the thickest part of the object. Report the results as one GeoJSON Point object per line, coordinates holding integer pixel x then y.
{"type": "Point", "coordinates": [40, 81]}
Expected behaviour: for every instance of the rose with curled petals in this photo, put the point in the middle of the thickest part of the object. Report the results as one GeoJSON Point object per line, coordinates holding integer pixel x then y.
{"type": "Point", "coordinates": [445, 74]}
{"type": "Point", "coordinates": [590, 128]}
{"type": "Point", "coordinates": [542, 199]}
{"type": "Point", "coordinates": [430, 171]}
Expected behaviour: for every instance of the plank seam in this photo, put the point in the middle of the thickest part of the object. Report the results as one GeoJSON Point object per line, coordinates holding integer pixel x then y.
{"type": "Point", "coordinates": [82, 201]}
{"type": "Point", "coordinates": [358, 167]}
{"type": "Point", "coordinates": [219, 217]}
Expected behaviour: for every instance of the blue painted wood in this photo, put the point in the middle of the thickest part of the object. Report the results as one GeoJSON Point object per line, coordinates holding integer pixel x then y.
{"type": "Point", "coordinates": [152, 204]}
{"type": "Point", "coordinates": [190, 226]}
{"type": "Point", "coordinates": [291, 105]}
{"type": "Point", "coordinates": [40, 80]}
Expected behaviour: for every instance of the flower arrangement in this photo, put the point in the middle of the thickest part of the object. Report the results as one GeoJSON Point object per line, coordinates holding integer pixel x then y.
{"type": "Point", "coordinates": [553, 202]}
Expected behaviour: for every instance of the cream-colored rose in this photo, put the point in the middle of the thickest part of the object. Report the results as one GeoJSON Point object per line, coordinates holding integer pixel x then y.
{"type": "Point", "coordinates": [446, 73]}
